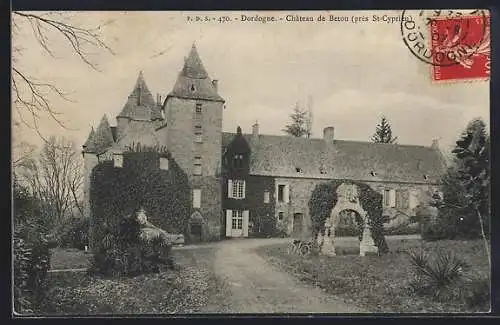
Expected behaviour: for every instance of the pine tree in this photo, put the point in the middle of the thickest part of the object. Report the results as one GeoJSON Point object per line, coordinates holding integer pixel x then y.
{"type": "Point", "coordinates": [466, 185]}
{"type": "Point", "coordinates": [383, 132]}
{"type": "Point", "coordinates": [299, 125]}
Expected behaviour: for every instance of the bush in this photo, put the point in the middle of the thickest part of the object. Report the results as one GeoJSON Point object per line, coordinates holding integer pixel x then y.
{"type": "Point", "coordinates": [31, 263]}
{"type": "Point", "coordinates": [440, 276]}
{"type": "Point", "coordinates": [31, 251]}
{"type": "Point", "coordinates": [73, 234]}
{"type": "Point", "coordinates": [124, 253]}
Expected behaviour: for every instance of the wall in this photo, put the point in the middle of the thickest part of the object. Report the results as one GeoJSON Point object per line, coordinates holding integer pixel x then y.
{"type": "Point", "coordinates": [262, 215]}
{"type": "Point", "coordinates": [300, 193]}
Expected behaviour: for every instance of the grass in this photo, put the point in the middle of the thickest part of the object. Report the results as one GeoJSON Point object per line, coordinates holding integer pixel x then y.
{"type": "Point", "coordinates": [382, 284]}
{"type": "Point", "coordinates": [68, 258]}
{"type": "Point", "coordinates": [190, 288]}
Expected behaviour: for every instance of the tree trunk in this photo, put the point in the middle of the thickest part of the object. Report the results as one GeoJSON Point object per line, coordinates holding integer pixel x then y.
{"type": "Point", "coordinates": [486, 246]}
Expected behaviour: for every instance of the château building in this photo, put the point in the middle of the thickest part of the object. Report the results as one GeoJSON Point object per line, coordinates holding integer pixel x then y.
{"type": "Point", "coordinates": [243, 184]}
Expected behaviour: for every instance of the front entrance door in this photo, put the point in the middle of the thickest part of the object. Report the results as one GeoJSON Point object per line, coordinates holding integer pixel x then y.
{"type": "Point", "coordinates": [196, 232]}
{"type": "Point", "coordinates": [297, 224]}
{"type": "Point", "coordinates": [237, 223]}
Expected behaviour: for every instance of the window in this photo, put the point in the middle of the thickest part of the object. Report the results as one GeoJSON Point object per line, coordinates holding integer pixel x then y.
{"type": "Point", "coordinates": [402, 199]}
{"type": "Point", "coordinates": [196, 198]}
{"type": "Point", "coordinates": [236, 189]}
{"type": "Point", "coordinates": [413, 199]}
{"type": "Point", "coordinates": [237, 219]}
{"type": "Point", "coordinates": [118, 160]}
{"type": "Point", "coordinates": [198, 108]}
{"type": "Point", "coordinates": [238, 161]}
{"type": "Point", "coordinates": [198, 133]}
{"type": "Point", "coordinates": [266, 197]}
{"type": "Point", "coordinates": [281, 193]}
{"type": "Point", "coordinates": [281, 216]}
{"type": "Point", "coordinates": [197, 166]}
{"type": "Point", "coordinates": [387, 197]}
{"type": "Point", "coordinates": [163, 163]}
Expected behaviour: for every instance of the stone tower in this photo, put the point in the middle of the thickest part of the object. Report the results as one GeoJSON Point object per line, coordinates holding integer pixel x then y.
{"type": "Point", "coordinates": [193, 111]}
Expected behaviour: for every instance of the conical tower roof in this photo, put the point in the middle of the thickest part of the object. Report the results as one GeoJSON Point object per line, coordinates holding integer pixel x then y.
{"type": "Point", "coordinates": [193, 81]}
{"type": "Point", "coordinates": [103, 137]}
{"type": "Point", "coordinates": [140, 104]}
{"type": "Point", "coordinates": [88, 146]}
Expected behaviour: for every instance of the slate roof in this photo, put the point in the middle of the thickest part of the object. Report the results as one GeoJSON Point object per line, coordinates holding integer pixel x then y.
{"type": "Point", "coordinates": [140, 104]}
{"type": "Point", "coordinates": [193, 81]}
{"type": "Point", "coordinates": [137, 132]}
{"type": "Point", "coordinates": [101, 139]}
{"type": "Point", "coordinates": [280, 156]}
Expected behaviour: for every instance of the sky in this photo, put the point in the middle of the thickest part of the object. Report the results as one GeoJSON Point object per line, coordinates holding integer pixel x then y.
{"type": "Point", "coordinates": [353, 72]}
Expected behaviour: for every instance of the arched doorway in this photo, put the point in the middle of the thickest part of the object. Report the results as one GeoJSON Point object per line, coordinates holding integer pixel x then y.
{"type": "Point", "coordinates": [350, 223]}
{"type": "Point", "coordinates": [195, 227]}
{"type": "Point", "coordinates": [348, 208]}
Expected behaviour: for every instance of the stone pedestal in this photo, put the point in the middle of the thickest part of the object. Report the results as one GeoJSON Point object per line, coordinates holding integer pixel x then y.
{"type": "Point", "coordinates": [367, 244]}
{"type": "Point", "coordinates": [328, 247]}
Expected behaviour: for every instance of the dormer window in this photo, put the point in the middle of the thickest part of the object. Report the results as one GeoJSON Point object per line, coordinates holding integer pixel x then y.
{"type": "Point", "coordinates": [426, 177]}
{"type": "Point", "coordinates": [238, 161]}
{"type": "Point", "coordinates": [373, 173]}
{"type": "Point", "coordinates": [118, 160]}
{"type": "Point", "coordinates": [192, 88]}
{"type": "Point", "coordinates": [163, 163]}
{"type": "Point", "coordinates": [298, 170]}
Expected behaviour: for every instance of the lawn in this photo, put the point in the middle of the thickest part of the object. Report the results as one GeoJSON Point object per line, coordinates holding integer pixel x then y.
{"type": "Point", "coordinates": [382, 284]}
{"type": "Point", "coordinates": [190, 288]}
{"type": "Point", "coordinates": [68, 258]}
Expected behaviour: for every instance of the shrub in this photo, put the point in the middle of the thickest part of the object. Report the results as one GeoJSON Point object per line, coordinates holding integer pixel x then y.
{"type": "Point", "coordinates": [123, 253]}
{"type": "Point", "coordinates": [31, 263]}
{"type": "Point", "coordinates": [73, 233]}
{"type": "Point", "coordinates": [439, 276]}
{"type": "Point", "coordinates": [31, 252]}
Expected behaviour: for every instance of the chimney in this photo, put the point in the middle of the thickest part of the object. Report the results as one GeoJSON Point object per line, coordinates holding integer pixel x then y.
{"type": "Point", "coordinates": [328, 134]}
{"type": "Point", "coordinates": [435, 144]}
{"type": "Point", "coordinates": [255, 129]}
{"type": "Point", "coordinates": [215, 83]}
{"type": "Point", "coordinates": [158, 99]}
{"type": "Point", "coordinates": [255, 134]}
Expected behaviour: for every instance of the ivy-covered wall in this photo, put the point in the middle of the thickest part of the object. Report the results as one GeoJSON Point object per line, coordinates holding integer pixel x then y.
{"type": "Point", "coordinates": [116, 192]}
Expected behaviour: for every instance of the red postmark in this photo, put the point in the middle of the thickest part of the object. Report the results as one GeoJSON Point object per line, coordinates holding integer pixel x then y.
{"type": "Point", "coordinates": [461, 48]}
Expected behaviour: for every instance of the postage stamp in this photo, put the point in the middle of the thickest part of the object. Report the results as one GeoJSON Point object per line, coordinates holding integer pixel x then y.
{"type": "Point", "coordinates": [456, 44]}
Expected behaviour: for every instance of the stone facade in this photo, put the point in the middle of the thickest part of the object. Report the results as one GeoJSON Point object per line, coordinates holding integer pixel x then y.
{"type": "Point", "coordinates": [280, 171]}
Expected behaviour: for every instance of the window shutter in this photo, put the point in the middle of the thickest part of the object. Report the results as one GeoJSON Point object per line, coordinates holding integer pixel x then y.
{"type": "Point", "coordinates": [413, 199]}
{"type": "Point", "coordinates": [392, 198]}
{"type": "Point", "coordinates": [229, 220]}
{"type": "Point", "coordinates": [230, 188]}
{"type": "Point", "coordinates": [286, 194]}
{"type": "Point", "coordinates": [244, 189]}
{"type": "Point", "coordinates": [196, 198]}
{"type": "Point", "coordinates": [245, 223]}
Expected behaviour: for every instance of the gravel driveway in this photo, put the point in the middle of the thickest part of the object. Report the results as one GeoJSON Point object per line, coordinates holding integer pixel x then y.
{"type": "Point", "coordinates": [254, 286]}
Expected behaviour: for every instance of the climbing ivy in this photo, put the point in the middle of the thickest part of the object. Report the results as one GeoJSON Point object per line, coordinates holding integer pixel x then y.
{"type": "Point", "coordinates": [324, 198]}
{"type": "Point", "coordinates": [117, 192]}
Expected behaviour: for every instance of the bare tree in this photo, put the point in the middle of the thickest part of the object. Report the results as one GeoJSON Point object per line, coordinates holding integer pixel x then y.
{"type": "Point", "coordinates": [55, 178]}
{"type": "Point", "coordinates": [30, 95]}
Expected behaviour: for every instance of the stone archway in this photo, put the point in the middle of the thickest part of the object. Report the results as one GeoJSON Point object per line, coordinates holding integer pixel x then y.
{"type": "Point", "coordinates": [347, 199]}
